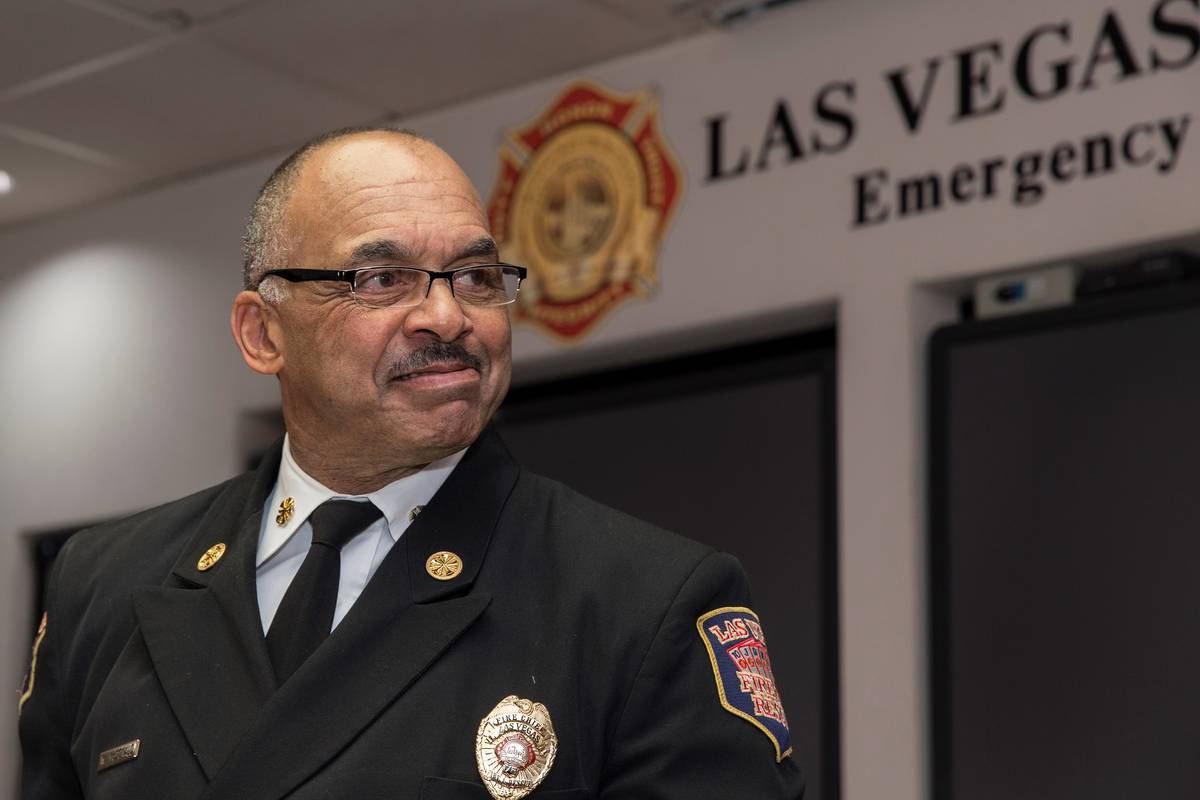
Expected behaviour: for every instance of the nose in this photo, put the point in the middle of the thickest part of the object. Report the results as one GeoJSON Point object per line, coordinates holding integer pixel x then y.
{"type": "Point", "coordinates": [438, 314]}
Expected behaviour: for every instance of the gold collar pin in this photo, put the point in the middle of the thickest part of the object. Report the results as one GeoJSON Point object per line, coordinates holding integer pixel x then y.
{"type": "Point", "coordinates": [444, 565]}
{"type": "Point", "coordinates": [286, 509]}
{"type": "Point", "coordinates": [211, 556]}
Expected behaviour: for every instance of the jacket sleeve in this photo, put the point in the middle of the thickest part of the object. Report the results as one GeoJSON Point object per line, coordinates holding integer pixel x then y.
{"type": "Point", "coordinates": [676, 737]}
{"type": "Point", "coordinates": [46, 722]}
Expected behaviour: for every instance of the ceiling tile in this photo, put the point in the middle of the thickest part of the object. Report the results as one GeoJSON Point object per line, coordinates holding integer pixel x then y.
{"type": "Point", "coordinates": [184, 107]}
{"type": "Point", "coordinates": [44, 182]}
{"type": "Point", "coordinates": [40, 36]}
{"type": "Point", "coordinates": [421, 54]}
{"type": "Point", "coordinates": [256, 76]}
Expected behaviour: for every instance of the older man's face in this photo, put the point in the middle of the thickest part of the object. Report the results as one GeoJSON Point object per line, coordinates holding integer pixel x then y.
{"type": "Point", "coordinates": [415, 382]}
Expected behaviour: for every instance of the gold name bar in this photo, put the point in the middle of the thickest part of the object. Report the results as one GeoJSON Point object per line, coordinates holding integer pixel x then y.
{"type": "Point", "coordinates": [119, 755]}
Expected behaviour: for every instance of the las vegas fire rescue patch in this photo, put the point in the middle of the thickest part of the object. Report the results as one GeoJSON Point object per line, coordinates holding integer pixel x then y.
{"type": "Point", "coordinates": [742, 666]}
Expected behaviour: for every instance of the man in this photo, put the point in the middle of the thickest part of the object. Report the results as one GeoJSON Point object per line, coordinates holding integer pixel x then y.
{"type": "Point", "coordinates": [493, 633]}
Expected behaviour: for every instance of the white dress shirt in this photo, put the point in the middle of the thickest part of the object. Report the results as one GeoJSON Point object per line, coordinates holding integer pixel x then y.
{"type": "Point", "coordinates": [282, 548]}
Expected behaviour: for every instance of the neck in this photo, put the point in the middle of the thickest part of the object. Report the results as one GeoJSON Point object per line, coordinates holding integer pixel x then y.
{"type": "Point", "coordinates": [346, 477]}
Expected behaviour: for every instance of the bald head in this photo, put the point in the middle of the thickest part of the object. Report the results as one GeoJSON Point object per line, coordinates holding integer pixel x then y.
{"type": "Point", "coordinates": [266, 239]}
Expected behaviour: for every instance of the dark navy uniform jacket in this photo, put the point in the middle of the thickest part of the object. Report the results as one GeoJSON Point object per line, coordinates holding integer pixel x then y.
{"type": "Point", "coordinates": [561, 601]}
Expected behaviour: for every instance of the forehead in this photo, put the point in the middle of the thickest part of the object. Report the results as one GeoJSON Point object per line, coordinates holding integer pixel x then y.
{"type": "Point", "coordinates": [383, 188]}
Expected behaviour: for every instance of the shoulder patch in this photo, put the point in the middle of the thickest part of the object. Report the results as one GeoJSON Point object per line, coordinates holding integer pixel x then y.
{"type": "Point", "coordinates": [27, 687]}
{"type": "Point", "coordinates": [741, 665]}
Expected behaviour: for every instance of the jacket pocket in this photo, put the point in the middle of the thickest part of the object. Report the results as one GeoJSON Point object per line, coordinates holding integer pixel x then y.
{"type": "Point", "coordinates": [447, 789]}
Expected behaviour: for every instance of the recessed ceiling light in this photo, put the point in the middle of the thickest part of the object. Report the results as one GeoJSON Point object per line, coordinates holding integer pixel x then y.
{"type": "Point", "coordinates": [6, 182]}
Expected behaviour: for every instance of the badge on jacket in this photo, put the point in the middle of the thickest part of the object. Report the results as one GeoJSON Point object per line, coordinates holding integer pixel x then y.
{"type": "Point", "coordinates": [515, 747]}
{"type": "Point", "coordinates": [741, 665]}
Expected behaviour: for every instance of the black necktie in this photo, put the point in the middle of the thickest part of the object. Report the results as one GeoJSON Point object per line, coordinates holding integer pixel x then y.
{"type": "Point", "coordinates": [305, 615]}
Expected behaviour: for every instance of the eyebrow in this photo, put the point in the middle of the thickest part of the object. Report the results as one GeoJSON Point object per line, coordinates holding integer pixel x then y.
{"type": "Point", "coordinates": [400, 253]}
{"type": "Point", "coordinates": [381, 250]}
{"type": "Point", "coordinates": [483, 246]}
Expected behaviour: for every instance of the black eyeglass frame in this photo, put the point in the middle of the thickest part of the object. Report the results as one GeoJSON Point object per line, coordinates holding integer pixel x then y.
{"type": "Point", "coordinates": [349, 276]}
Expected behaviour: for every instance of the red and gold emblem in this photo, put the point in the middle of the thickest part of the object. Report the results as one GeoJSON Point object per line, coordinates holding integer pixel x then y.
{"type": "Point", "coordinates": [583, 199]}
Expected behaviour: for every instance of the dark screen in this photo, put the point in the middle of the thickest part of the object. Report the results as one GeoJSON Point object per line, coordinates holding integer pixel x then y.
{"type": "Point", "coordinates": [736, 453]}
{"type": "Point", "coordinates": [1067, 560]}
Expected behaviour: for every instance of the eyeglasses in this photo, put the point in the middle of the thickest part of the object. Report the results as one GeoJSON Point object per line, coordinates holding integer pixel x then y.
{"type": "Point", "coordinates": [381, 287]}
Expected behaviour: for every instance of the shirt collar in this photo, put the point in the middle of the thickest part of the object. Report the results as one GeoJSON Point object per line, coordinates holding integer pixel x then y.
{"type": "Point", "coordinates": [396, 500]}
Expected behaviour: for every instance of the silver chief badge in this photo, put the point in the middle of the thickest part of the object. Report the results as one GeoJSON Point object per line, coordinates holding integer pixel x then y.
{"type": "Point", "coordinates": [515, 747]}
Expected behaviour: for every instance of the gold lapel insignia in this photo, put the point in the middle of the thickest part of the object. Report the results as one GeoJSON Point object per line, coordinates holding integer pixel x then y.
{"type": "Point", "coordinates": [211, 556]}
{"type": "Point", "coordinates": [415, 512]}
{"type": "Point", "coordinates": [118, 755]}
{"type": "Point", "coordinates": [444, 565]}
{"type": "Point", "coordinates": [286, 509]}
{"type": "Point", "coordinates": [515, 747]}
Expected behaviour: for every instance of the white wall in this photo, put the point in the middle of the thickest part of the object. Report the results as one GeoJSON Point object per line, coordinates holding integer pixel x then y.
{"type": "Point", "coordinates": [121, 383]}
{"type": "Point", "coordinates": [122, 386]}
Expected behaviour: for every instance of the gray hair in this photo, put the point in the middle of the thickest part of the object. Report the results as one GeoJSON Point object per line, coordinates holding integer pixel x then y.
{"type": "Point", "coordinates": [265, 242]}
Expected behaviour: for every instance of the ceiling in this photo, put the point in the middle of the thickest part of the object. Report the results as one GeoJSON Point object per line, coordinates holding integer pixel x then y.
{"type": "Point", "coordinates": [100, 98]}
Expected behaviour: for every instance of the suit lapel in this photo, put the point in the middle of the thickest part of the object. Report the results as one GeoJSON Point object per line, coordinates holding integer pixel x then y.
{"type": "Point", "coordinates": [401, 624]}
{"type": "Point", "coordinates": [337, 693]}
{"type": "Point", "coordinates": [203, 629]}
{"type": "Point", "coordinates": [461, 518]}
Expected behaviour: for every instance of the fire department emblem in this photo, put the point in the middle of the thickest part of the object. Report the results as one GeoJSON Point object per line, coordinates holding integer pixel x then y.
{"type": "Point", "coordinates": [583, 199]}
{"type": "Point", "coordinates": [741, 664]}
{"type": "Point", "coordinates": [515, 747]}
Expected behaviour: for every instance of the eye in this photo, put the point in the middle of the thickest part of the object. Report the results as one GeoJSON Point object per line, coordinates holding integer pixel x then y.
{"type": "Point", "coordinates": [486, 285]}
{"type": "Point", "coordinates": [479, 277]}
{"type": "Point", "coordinates": [388, 280]}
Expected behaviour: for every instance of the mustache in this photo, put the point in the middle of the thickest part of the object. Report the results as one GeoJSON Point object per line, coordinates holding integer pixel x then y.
{"type": "Point", "coordinates": [432, 353]}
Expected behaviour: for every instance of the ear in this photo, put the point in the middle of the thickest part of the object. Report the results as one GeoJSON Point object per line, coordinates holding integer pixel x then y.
{"type": "Point", "coordinates": [256, 330]}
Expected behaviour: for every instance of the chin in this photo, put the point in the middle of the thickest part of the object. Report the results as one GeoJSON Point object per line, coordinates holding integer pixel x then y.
{"type": "Point", "coordinates": [447, 436]}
